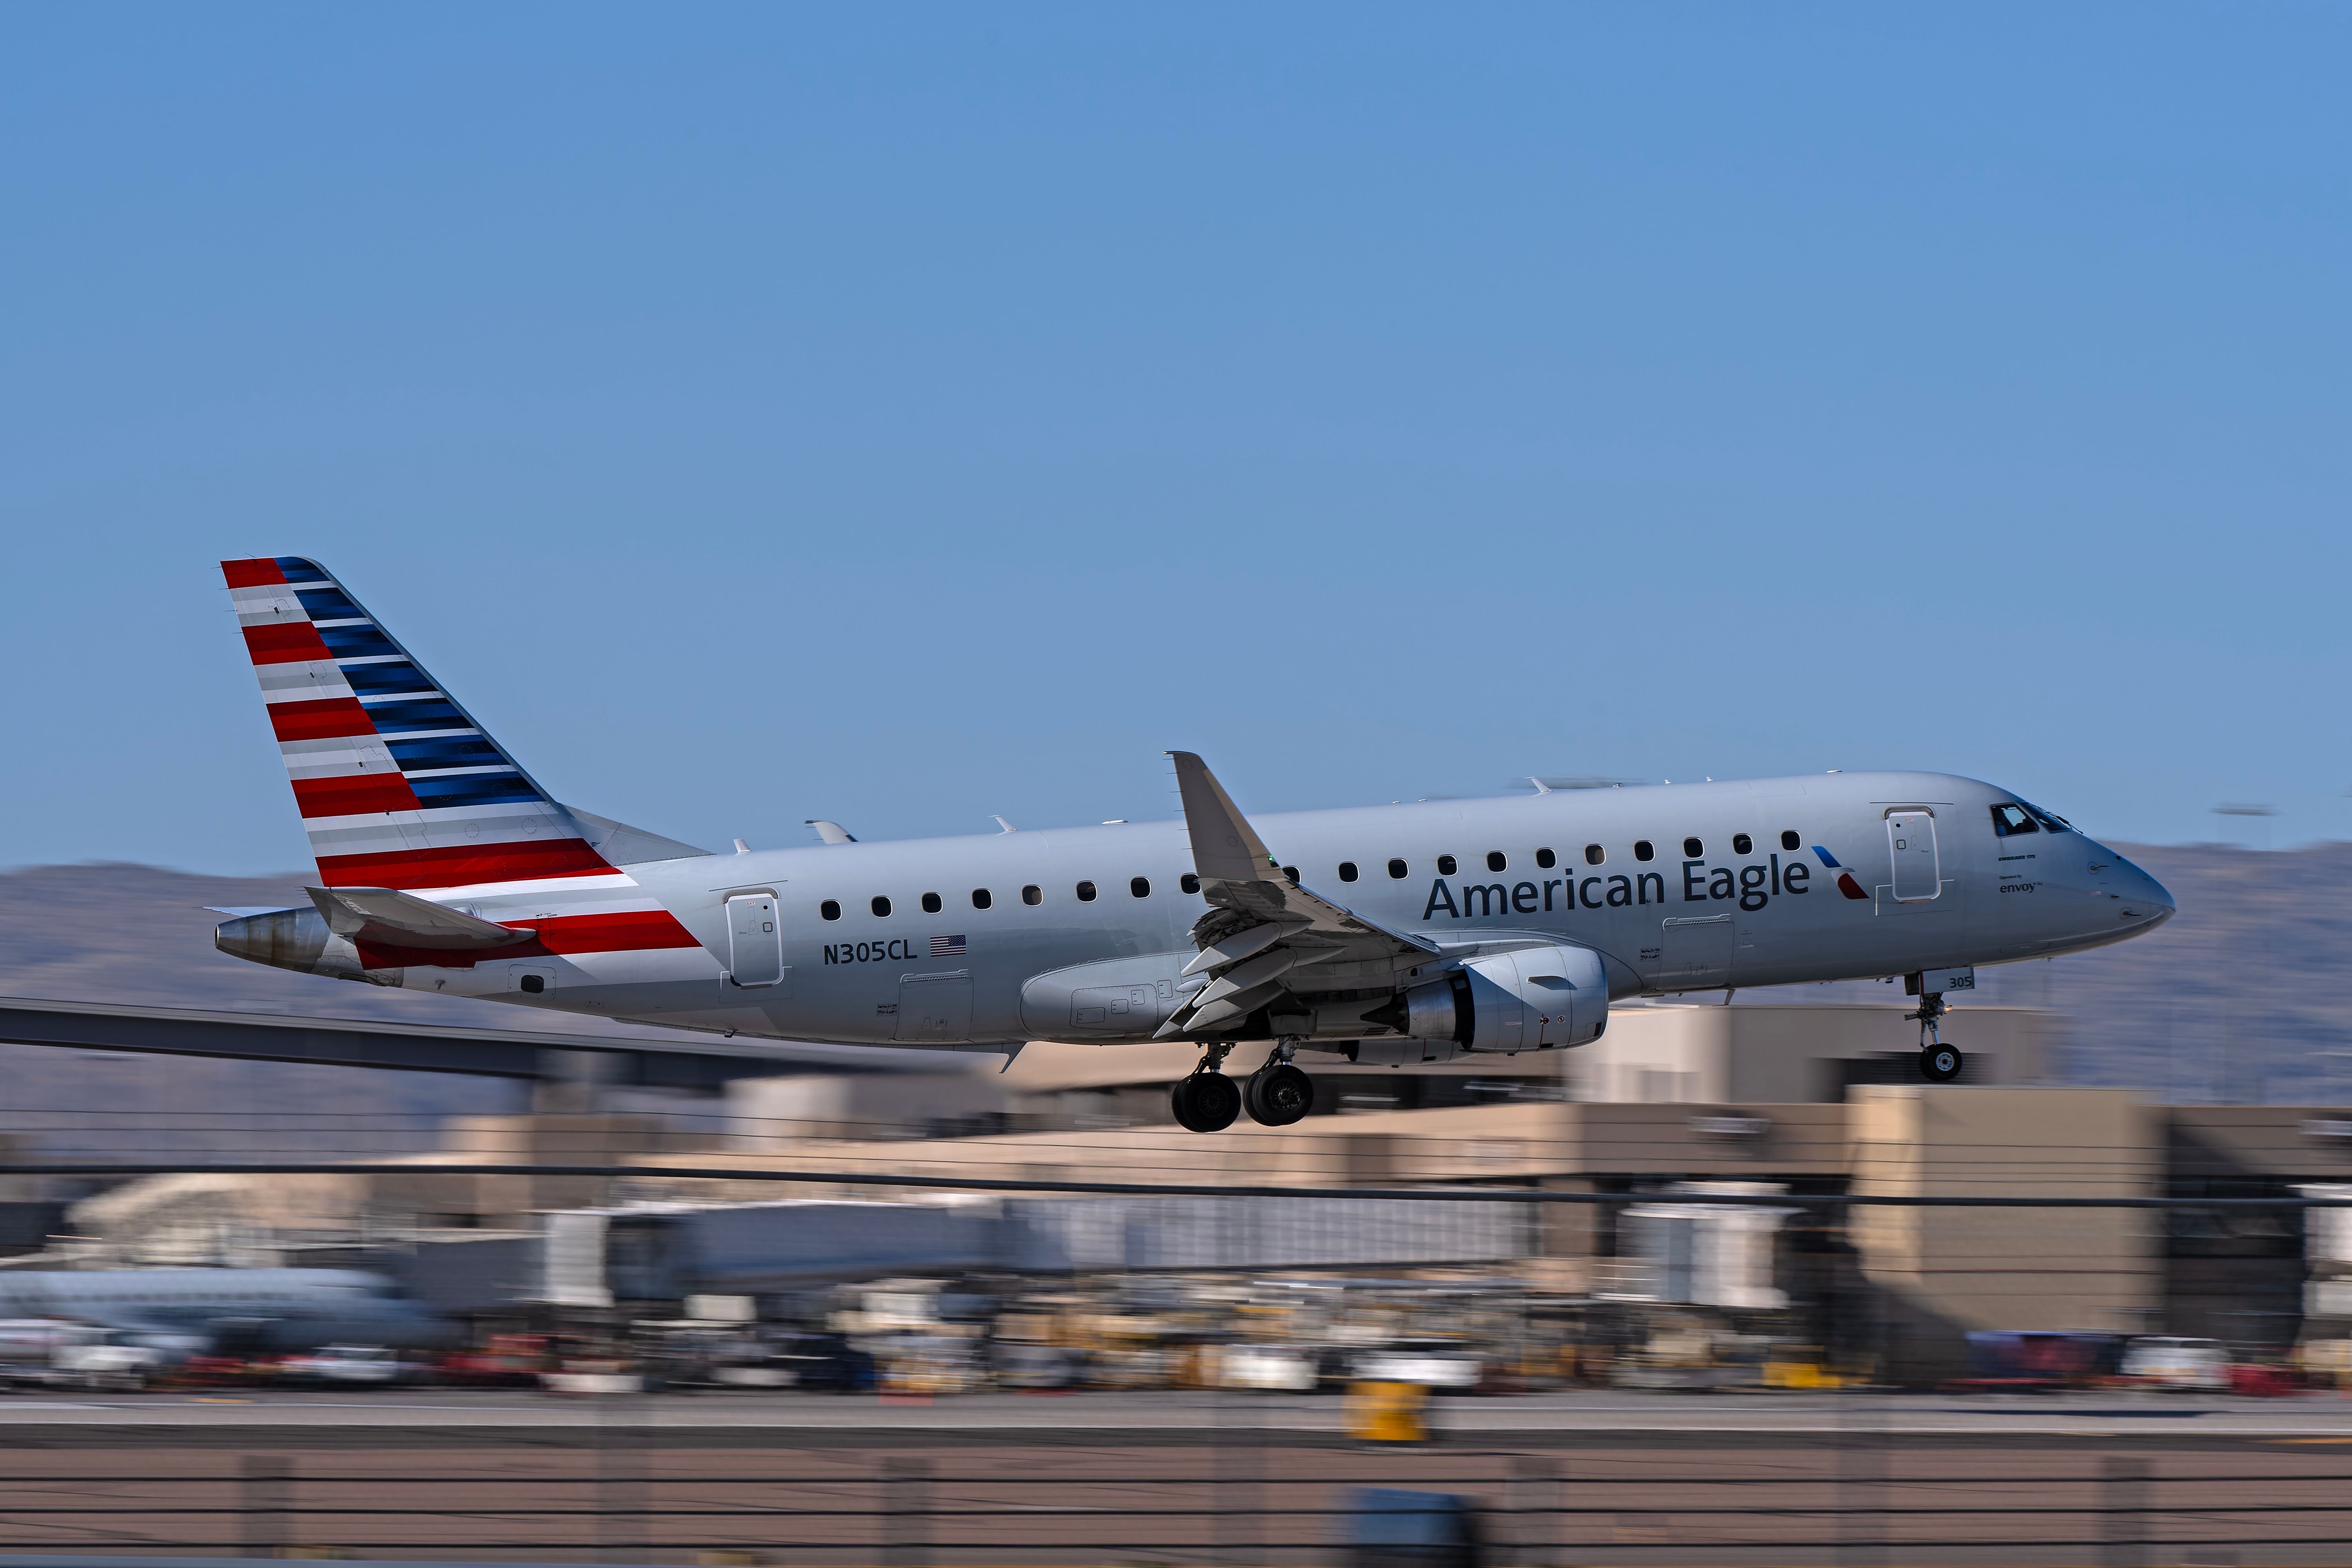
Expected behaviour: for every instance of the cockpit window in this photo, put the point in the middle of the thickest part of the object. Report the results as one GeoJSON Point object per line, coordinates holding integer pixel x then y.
{"type": "Point", "coordinates": [2051, 822]}
{"type": "Point", "coordinates": [2008, 819]}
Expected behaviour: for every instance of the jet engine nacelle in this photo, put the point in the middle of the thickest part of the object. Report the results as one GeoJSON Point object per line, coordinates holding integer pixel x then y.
{"type": "Point", "coordinates": [297, 939]}
{"type": "Point", "coordinates": [1529, 1000]}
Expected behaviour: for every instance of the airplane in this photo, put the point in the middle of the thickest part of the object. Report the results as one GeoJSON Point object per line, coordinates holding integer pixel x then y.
{"type": "Point", "coordinates": [202, 1310]}
{"type": "Point", "coordinates": [1385, 934]}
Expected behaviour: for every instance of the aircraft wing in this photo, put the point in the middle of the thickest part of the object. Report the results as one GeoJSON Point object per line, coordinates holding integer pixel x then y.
{"type": "Point", "coordinates": [1263, 935]}
{"type": "Point", "coordinates": [392, 919]}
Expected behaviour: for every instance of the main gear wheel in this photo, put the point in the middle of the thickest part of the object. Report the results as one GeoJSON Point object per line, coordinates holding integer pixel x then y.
{"type": "Point", "coordinates": [1205, 1102]}
{"type": "Point", "coordinates": [1278, 1094]}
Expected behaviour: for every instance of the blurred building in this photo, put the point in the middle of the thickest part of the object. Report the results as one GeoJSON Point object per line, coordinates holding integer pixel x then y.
{"type": "Point", "coordinates": [1705, 1152]}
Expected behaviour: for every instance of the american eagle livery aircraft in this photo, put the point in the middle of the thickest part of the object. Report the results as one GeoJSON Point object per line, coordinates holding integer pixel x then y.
{"type": "Point", "coordinates": [1382, 934]}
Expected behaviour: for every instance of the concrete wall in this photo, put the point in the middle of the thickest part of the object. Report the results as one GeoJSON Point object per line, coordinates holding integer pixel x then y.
{"type": "Point", "coordinates": [1948, 1271]}
{"type": "Point", "coordinates": [1680, 1053]}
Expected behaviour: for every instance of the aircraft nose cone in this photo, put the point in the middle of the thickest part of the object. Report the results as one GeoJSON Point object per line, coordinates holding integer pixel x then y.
{"type": "Point", "coordinates": [2147, 897]}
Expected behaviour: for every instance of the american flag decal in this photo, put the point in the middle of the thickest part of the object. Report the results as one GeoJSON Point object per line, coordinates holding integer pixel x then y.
{"type": "Point", "coordinates": [947, 947]}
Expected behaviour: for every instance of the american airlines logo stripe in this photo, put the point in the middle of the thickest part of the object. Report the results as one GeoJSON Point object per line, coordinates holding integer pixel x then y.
{"type": "Point", "coordinates": [414, 870]}
{"type": "Point", "coordinates": [629, 931]}
{"type": "Point", "coordinates": [383, 810]}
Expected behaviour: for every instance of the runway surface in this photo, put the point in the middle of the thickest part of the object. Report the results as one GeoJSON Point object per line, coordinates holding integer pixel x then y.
{"type": "Point", "coordinates": [1173, 1481]}
{"type": "Point", "coordinates": [1200, 1417]}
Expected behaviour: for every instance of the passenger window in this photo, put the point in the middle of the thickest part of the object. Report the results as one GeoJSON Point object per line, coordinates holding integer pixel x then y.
{"type": "Point", "coordinates": [1032, 895]}
{"type": "Point", "coordinates": [881, 905]}
{"type": "Point", "coordinates": [981, 898]}
{"type": "Point", "coordinates": [1546, 860]}
{"type": "Point", "coordinates": [2008, 819]}
{"type": "Point", "coordinates": [1594, 854]}
{"type": "Point", "coordinates": [1396, 870]}
{"type": "Point", "coordinates": [1086, 892]}
{"type": "Point", "coordinates": [1445, 864]}
{"type": "Point", "coordinates": [1644, 850]}
{"type": "Point", "coordinates": [1188, 882]}
{"type": "Point", "coordinates": [830, 909]}
{"type": "Point", "coordinates": [1742, 845]}
{"type": "Point", "coordinates": [1693, 849]}
{"type": "Point", "coordinates": [1139, 886]}
{"type": "Point", "coordinates": [1347, 870]}
{"type": "Point", "coordinates": [930, 903]}
{"type": "Point", "coordinates": [1495, 861]}
{"type": "Point", "coordinates": [1788, 839]}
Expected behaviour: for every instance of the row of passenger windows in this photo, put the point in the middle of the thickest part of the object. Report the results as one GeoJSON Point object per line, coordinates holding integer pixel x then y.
{"type": "Point", "coordinates": [1031, 895]}
{"type": "Point", "coordinates": [1594, 854]}
{"type": "Point", "coordinates": [1447, 865]}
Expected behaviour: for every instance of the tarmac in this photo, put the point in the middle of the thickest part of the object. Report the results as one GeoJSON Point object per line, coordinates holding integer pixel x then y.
{"type": "Point", "coordinates": [1599, 1479]}
{"type": "Point", "coordinates": [1192, 1417]}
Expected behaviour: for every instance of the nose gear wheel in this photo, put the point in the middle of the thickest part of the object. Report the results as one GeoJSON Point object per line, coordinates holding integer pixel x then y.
{"type": "Point", "coordinates": [1939, 1063]}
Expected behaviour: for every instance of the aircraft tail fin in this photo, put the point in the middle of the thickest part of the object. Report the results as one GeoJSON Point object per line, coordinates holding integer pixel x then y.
{"type": "Point", "coordinates": [398, 785]}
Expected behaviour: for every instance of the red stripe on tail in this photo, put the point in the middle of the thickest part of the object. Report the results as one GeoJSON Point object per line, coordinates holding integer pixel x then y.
{"type": "Point", "coordinates": [348, 794]}
{"type": "Point", "coordinates": [255, 574]}
{"type": "Point", "coordinates": [515, 861]}
{"type": "Point", "coordinates": [285, 642]}
{"type": "Point", "coordinates": [319, 718]}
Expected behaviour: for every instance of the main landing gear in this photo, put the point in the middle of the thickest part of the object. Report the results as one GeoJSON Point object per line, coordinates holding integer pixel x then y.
{"type": "Point", "coordinates": [1276, 1095]}
{"type": "Point", "coordinates": [1939, 1063]}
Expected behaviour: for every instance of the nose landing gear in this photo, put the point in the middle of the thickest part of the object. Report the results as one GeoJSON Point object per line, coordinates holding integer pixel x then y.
{"type": "Point", "coordinates": [1939, 1063]}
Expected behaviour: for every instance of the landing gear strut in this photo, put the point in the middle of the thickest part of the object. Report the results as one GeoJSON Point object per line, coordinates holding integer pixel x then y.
{"type": "Point", "coordinates": [1278, 1093]}
{"type": "Point", "coordinates": [1207, 1101]}
{"type": "Point", "coordinates": [1939, 1063]}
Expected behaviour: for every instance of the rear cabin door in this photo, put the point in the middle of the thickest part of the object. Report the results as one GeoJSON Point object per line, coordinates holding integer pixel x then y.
{"type": "Point", "coordinates": [1911, 844]}
{"type": "Point", "coordinates": [755, 943]}
{"type": "Point", "coordinates": [1695, 954]}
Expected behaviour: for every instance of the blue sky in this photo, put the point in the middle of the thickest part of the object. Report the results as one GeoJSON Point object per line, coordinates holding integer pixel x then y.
{"type": "Point", "coordinates": [903, 414]}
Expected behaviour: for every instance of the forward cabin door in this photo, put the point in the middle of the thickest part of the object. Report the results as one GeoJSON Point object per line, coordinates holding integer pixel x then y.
{"type": "Point", "coordinates": [1911, 845]}
{"type": "Point", "coordinates": [755, 941]}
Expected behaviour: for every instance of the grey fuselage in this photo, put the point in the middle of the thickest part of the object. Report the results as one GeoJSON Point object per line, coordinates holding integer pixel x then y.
{"type": "Point", "coordinates": [278, 1310]}
{"type": "Point", "coordinates": [1110, 968]}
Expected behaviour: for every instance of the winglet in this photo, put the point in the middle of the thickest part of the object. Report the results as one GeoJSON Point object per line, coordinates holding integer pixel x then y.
{"type": "Point", "coordinates": [1225, 848]}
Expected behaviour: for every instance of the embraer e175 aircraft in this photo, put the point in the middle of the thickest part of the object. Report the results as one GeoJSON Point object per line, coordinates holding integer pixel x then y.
{"type": "Point", "coordinates": [1382, 934]}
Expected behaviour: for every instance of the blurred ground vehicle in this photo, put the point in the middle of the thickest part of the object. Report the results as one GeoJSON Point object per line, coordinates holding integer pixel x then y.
{"type": "Point", "coordinates": [1388, 1528]}
{"type": "Point", "coordinates": [2172, 1362]}
{"type": "Point", "coordinates": [504, 1360]}
{"type": "Point", "coordinates": [60, 1352]}
{"type": "Point", "coordinates": [352, 1365]}
{"type": "Point", "coordinates": [2263, 1379]}
{"type": "Point", "coordinates": [1435, 1366]}
{"type": "Point", "coordinates": [97, 1358]}
{"type": "Point", "coordinates": [2030, 1361]}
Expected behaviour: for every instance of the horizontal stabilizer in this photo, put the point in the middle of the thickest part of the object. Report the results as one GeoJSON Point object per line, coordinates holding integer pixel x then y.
{"type": "Point", "coordinates": [389, 918]}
